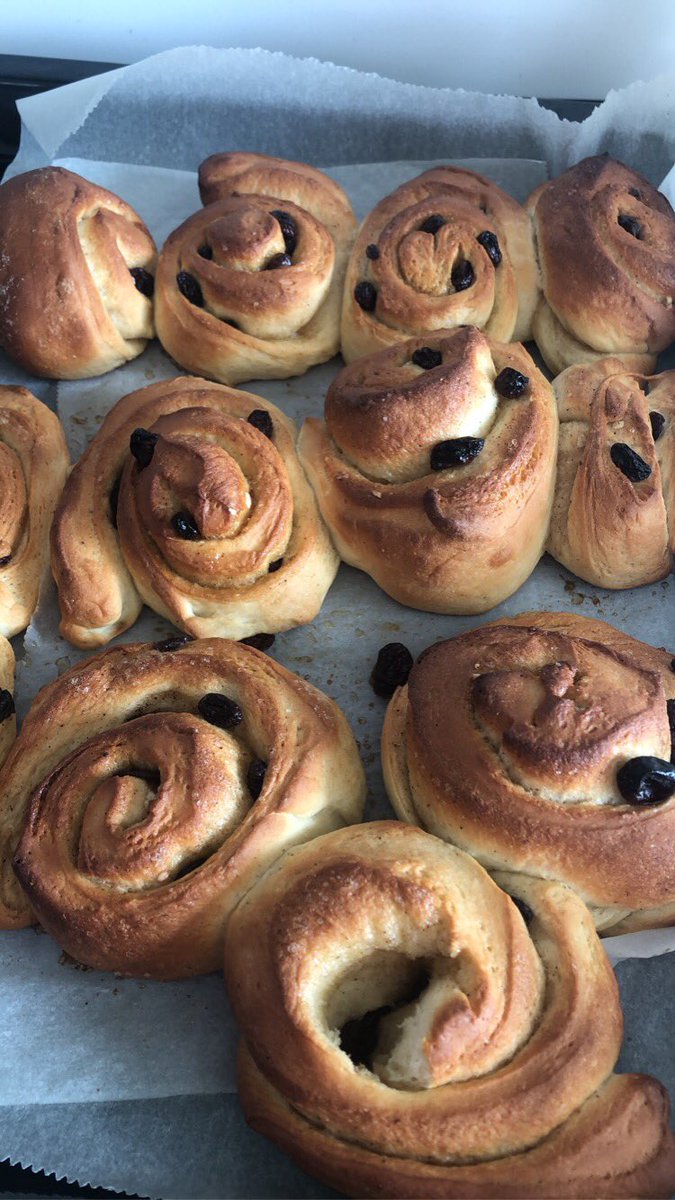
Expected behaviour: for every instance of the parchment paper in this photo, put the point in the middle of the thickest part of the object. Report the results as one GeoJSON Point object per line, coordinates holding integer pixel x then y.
{"type": "Point", "coordinates": [172, 111]}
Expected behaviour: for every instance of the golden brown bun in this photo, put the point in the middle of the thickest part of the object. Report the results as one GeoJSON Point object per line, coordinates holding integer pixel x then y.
{"type": "Point", "coordinates": [615, 530]}
{"type": "Point", "coordinates": [492, 1076]}
{"type": "Point", "coordinates": [251, 315]}
{"type": "Point", "coordinates": [409, 271]}
{"type": "Point", "coordinates": [507, 741]}
{"type": "Point", "coordinates": [606, 290]}
{"type": "Point", "coordinates": [246, 493]}
{"type": "Point", "coordinates": [143, 828]}
{"type": "Point", "coordinates": [33, 467]}
{"type": "Point", "coordinates": [459, 539]}
{"type": "Point", "coordinates": [69, 305]}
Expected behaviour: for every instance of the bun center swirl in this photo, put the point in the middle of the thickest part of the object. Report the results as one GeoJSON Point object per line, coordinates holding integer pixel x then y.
{"type": "Point", "coordinates": [214, 502]}
{"type": "Point", "coordinates": [13, 501]}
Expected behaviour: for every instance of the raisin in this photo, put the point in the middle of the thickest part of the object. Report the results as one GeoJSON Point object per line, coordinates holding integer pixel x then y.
{"type": "Point", "coordinates": [259, 641]}
{"type": "Point", "coordinates": [255, 776]}
{"type": "Point", "coordinates": [205, 251]}
{"type": "Point", "coordinates": [172, 643]}
{"type": "Point", "coordinates": [372, 251]}
{"type": "Point", "coordinates": [288, 229]}
{"type": "Point", "coordinates": [511, 384]}
{"type": "Point", "coordinates": [524, 910]}
{"type": "Point", "coordinates": [456, 452]}
{"type": "Point", "coordinates": [392, 668]}
{"type": "Point", "coordinates": [274, 566]}
{"type": "Point", "coordinates": [220, 710]}
{"type": "Point", "coordinates": [7, 558]}
{"type": "Point", "coordinates": [631, 225]}
{"type": "Point", "coordinates": [433, 223]}
{"type": "Point", "coordinates": [145, 282]}
{"type": "Point", "coordinates": [142, 445]}
{"type": "Point", "coordinates": [277, 261]}
{"type": "Point", "coordinates": [629, 462]}
{"type": "Point", "coordinates": [643, 384]}
{"type": "Point", "coordinates": [114, 501]}
{"type": "Point", "coordinates": [490, 243]}
{"type": "Point", "coordinates": [6, 704]}
{"type": "Point", "coordinates": [634, 193]}
{"type": "Point", "coordinates": [189, 287]}
{"type": "Point", "coordinates": [646, 780]}
{"type": "Point", "coordinates": [261, 420]}
{"type": "Point", "coordinates": [365, 295]}
{"type": "Point", "coordinates": [427, 358]}
{"type": "Point", "coordinates": [658, 424]}
{"type": "Point", "coordinates": [148, 774]}
{"type": "Point", "coordinates": [462, 275]}
{"type": "Point", "coordinates": [185, 526]}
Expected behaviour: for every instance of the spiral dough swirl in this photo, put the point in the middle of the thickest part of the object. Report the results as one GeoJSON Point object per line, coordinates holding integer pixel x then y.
{"type": "Point", "coordinates": [406, 1034]}
{"type": "Point", "coordinates": [449, 248]}
{"type": "Point", "coordinates": [214, 524]}
{"type": "Point", "coordinates": [250, 287]}
{"type": "Point", "coordinates": [509, 740]}
{"type": "Point", "coordinates": [440, 534]}
{"type": "Point", "coordinates": [606, 247]}
{"type": "Point", "coordinates": [151, 785]}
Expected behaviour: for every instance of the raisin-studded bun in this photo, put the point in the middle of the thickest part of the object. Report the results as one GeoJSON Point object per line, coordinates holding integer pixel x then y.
{"type": "Point", "coordinates": [449, 248]}
{"type": "Point", "coordinates": [150, 786]}
{"type": "Point", "coordinates": [434, 468]}
{"type": "Point", "coordinates": [192, 499]}
{"type": "Point", "coordinates": [250, 287]}
{"type": "Point", "coordinates": [613, 517]}
{"type": "Point", "coordinates": [542, 744]}
{"type": "Point", "coordinates": [77, 271]}
{"type": "Point", "coordinates": [411, 1031]}
{"type": "Point", "coordinates": [33, 467]}
{"type": "Point", "coordinates": [606, 246]}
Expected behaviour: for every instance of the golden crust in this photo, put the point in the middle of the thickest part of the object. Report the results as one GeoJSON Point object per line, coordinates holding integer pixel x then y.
{"type": "Point", "coordinates": [494, 1079]}
{"type": "Point", "coordinates": [69, 306]}
{"type": "Point", "coordinates": [609, 530]}
{"type": "Point", "coordinates": [507, 741]}
{"type": "Point", "coordinates": [454, 540]}
{"type": "Point", "coordinates": [33, 467]}
{"type": "Point", "coordinates": [136, 827]}
{"type": "Point", "coordinates": [606, 290]}
{"type": "Point", "coordinates": [412, 268]}
{"type": "Point", "coordinates": [248, 495]}
{"type": "Point", "coordinates": [251, 322]}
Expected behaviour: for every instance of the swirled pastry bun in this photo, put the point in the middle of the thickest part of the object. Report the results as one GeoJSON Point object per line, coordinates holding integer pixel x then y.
{"type": "Point", "coordinates": [409, 1032]}
{"type": "Point", "coordinates": [532, 742]}
{"type": "Point", "coordinates": [190, 497]}
{"type": "Point", "coordinates": [613, 519]}
{"type": "Point", "coordinates": [449, 248]}
{"type": "Point", "coordinates": [33, 467]}
{"type": "Point", "coordinates": [606, 246]}
{"type": "Point", "coordinates": [434, 468]}
{"type": "Point", "coordinates": [251, 286]}
{"type": "Point", "coordinates": [76, 276]}
{"type": "Point", "coordinates": [150, 786]}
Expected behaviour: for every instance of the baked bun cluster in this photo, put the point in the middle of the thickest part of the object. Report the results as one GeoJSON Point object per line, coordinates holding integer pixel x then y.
{"type": "Point", "coordinates": [606, 250]}
{"type": "Point", "coordinates": [148, 789]}
{"type": "Point", "coordinates": [435, 468]}
{"type": "Point", "coordinates": [449, 248]}
{"type": "Point", "coordinates": [76, 276]}
{"type": "Point", "coordinates": [613, 520]}
{"type": "Point", "coordinates": [410, 1030]}
{"type": "Point", "coordinates": [192, 499]}
{"type": "Point", "coordinates": [33, 467]}
{"type": "Point", "coordinates": [251, 286]}
{"type": "Point", "coordinates": [542, 744]}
